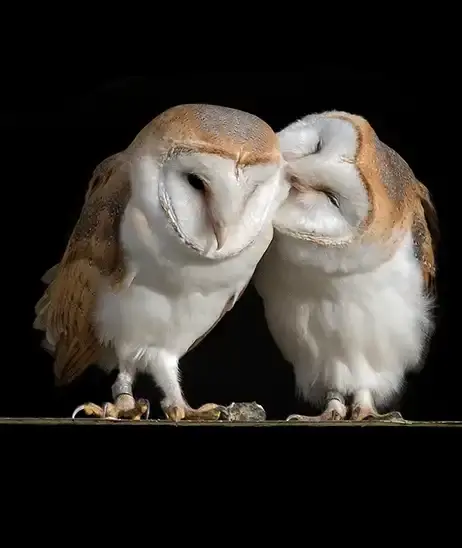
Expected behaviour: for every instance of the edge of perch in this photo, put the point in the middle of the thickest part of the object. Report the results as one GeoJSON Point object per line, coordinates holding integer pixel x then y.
{"type": "Point", "coordinates": [7, 421]}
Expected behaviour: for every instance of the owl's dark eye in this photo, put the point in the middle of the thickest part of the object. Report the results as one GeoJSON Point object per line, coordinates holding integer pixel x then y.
{"type": "Point", "coordinates": [196, 182]}
{"type": "Point", "coordinates": [318, 147]}
{"type": "Point", "coordinates": [333, 199]}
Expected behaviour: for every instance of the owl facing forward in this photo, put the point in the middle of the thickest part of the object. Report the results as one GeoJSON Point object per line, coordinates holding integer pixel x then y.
{"type": "Point", "coordinates": [348, 281]}
{"type": "Point", "coordinates": [169, 235]}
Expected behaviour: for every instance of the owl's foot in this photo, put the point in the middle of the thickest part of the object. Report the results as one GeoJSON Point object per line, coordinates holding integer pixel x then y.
{"type": "Point", "coordinates": [207, 412]}
{"type": "Point", "coordinates": [124, 408]}
{"type": "Point", "coordinates": [363, 409]}
{"type": "Point", "coordinates": [360, 412]}
{"type": "Point", "coordinates": [327, 415]}
{"type": "Point", "coordinates": [335, 411]}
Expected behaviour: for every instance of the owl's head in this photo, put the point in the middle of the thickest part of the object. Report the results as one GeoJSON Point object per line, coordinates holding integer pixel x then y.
{"type": "Point", "coordinates": [211, 177]}
{"type": "Point", "coordinates": [329, 201]}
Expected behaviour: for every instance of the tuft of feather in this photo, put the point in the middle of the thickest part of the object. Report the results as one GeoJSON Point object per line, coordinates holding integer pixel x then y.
{"type": "Point", "coordinates": [50, 274]}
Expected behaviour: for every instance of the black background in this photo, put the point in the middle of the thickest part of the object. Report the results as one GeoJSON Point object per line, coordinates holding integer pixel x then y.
{"type": "Point", "coordinates": [57, 131]}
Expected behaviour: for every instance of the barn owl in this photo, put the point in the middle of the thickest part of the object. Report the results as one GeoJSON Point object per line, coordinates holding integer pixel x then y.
{"type": "Point", "coordinates": [169, 236]}
{"type": "Point", "coordinates": [348, 281]}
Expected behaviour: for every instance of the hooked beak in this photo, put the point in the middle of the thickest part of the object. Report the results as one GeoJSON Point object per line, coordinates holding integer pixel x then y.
{"type": "Point", "coordinates": [221, 233]}
{"type": "Point", "coordinates": [224, 212]}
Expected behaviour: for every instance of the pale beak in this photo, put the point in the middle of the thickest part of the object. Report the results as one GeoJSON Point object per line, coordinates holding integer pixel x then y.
{"type": "Point", "coordinates": [222, 216]}
{"type": "Point", "coordinates": [221, 233]}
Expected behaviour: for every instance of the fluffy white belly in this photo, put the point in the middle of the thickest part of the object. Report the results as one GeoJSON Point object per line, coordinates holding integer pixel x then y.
{"type": "Point", "coordinates": [175, 297]}
{"type": "Point", "coordinates": [359, 331]}
{"type": "Point", "coordinates": [141, 317]}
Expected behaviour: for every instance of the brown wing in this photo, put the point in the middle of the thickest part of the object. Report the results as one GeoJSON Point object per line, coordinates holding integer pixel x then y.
{"type": "Point", "coordinates": [229, 305]}
{"type": "Point", "coordinates": [93, 255]}
{"type": "Point", "coordinates": [408, 194]}
{"type": "Point", "coordinates": [425, 230]}
{"type": "Point", "coordinates": [102, 173]}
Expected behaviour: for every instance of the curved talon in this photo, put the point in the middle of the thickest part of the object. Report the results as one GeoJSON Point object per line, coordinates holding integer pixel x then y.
{"type": "Point", "coordinates": [369, 414]}
{"type": "Point", "coordinates": [148, 410]}
{"type": "Point", "coordinates": [90, 409]}
{"type": "Point", "coordinates": [109, 411]}
{"type": "Point", "coordinates": [396, 415]}
{"type": "Point", "coordinates": [77, 410]}
{"type": "Point", "coordinates": [142, 407]}
{"type": "Point", "coordinates": [175, 413]}
{"type": "Point", "coordinates": [330, 415]}
{"type": "Point", "coordinates": [146, 404]}
{"type": "Point", "coordinates": [294, 418]}
{"type": "Point", "coordinates": [393, 416]}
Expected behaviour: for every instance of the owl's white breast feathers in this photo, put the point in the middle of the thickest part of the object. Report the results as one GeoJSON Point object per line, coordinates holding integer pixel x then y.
{"type": "Point", "coordinates": [176, 295]}
{"type": "Point", "coordinates": [171, 304]}
{"type": "Point", "coordinates": [344, 284]}
{"type": "Point", "coordinates": [347, 332]}
{"type": "Point", "coordinates": [170, 234]}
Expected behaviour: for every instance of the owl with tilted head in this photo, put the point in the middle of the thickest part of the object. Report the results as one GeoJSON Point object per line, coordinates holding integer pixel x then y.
{"type": "Point", "coordinates": [170, 233]}
{"type": "Point", "coordinates": [348, 281]}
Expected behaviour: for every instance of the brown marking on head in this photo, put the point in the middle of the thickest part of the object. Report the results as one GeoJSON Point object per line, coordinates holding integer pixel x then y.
{"type": "Point", "coordinates": [235, 134]}
{"type": "Point", "coordinates": [398, 201]}
{"type": "Point", "coordinates": [388, 180]}
{"type": "Point", "coordinates": [93, 255]}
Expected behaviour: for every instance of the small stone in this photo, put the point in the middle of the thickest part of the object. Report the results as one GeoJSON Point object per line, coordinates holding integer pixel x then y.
{"type": "Point", "coordinates": [243, 412]}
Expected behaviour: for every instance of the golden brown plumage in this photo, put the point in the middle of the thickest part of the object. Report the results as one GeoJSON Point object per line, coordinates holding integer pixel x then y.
{"type": "Point", "coordinates": [94, 256]}
{"type": "Point", "coordinates": [425, 230]}
{"type": "Point", "coordinates": [238, 135]}
{"type": "Point", "coordinates": [348, 283]}
{"type": "Point", "coordinates": [397, 198]}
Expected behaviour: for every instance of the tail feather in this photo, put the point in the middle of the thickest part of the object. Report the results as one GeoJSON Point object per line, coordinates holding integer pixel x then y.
{"type": "Point", "coordinates": [43, 303]}
{"type": "Point", "coordinates": [431, 215]}
{"type": "Point", "coordinates": [48, 347]}
{"type": "Point", "coordinates": [50, 274]}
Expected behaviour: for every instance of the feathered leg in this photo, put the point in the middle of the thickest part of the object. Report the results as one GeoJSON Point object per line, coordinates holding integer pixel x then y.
{"type": "Point", "coordinates": [164, 368]}
{"type": "Point", "coordinates": [335, 410]}
{"type": "Point", "coordinates": [363, 408]}
{"type": "Point", "coordinates": [124, 406]}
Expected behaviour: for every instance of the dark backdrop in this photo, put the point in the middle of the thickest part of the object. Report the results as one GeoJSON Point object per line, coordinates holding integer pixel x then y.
{"type": "Point", "coordinates": [58, 131]}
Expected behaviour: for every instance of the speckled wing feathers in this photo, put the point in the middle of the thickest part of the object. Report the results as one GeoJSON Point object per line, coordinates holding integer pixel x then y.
{"type": "Point", "coordinates": [410, 196]}
{"type": "Point", "coordinates": [397, 198]}
{"type": "Point", "coordinates": [425, 230]}
{"type": "Point", "coordinates": [92, 255]}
